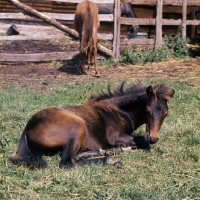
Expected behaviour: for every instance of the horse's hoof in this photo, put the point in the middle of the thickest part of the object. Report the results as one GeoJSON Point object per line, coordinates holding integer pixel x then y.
{"type": "Point", "coordinates": [118, 150]}
{"type": "Point", "coordinates": [83, 73]}
{"type": "Point", "coordinates": [97, 74]}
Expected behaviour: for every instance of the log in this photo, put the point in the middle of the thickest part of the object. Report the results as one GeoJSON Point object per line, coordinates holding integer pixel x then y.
{"type": "Point", "coordinates": [55, 23]}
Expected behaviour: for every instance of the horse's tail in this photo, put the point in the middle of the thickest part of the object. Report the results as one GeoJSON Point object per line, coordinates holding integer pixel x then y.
{"type": "Point", "coordinates": [87, 32]}
{"type": "Point", "coordinates": [25, 157]}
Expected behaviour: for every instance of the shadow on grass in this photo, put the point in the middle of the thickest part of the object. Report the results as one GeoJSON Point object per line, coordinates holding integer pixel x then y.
{"type": "Point", "coordinates": [70, 67]}
{"type": "Point", "coordinates": [194, 52]}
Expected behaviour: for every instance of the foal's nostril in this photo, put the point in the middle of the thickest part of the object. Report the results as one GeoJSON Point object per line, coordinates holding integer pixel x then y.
{"type": "Point", "coordinates": [153, 140]}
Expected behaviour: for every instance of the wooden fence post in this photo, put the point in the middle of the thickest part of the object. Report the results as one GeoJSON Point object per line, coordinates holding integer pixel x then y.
{"type": "Point", "coordinates": [118, 29]}
{"type": "Point", "coordinates": [184, 16]}
{"type": "Point", "coordinates": [116, 32]}
{"type": "Point", "coordinates": [159, 9]}
{"type": "Point", "coordinates": [193, 16]}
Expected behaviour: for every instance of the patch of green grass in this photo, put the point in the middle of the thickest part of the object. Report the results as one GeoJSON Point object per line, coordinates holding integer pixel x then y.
{"type": "Point", "coordinates": [170, 171]}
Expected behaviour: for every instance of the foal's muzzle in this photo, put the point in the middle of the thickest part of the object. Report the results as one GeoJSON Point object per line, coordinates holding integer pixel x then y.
{"type": "Point", "coordinates": [153, 140]}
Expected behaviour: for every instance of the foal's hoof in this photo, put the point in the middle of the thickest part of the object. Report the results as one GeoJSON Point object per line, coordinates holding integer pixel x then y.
{"type": "Point", "coordinates": [109, 153]}
{"type": "Point", "coordinates": [111, 161]}
{"type": "Point", "coordinates": [66, 166]}
{"type": "Point", "coordinates": [119, 165]}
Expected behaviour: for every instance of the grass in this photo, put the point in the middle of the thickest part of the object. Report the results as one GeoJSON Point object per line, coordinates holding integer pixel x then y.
{"type": "Point", "coordinates": [170, 171]}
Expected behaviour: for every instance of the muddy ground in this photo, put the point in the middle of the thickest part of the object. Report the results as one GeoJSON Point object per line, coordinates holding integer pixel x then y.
{"type": "Point", "coordinates": [45, 75]}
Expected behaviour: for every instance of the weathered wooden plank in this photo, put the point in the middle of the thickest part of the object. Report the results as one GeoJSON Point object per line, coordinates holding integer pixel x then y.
{"type": "Point", "coordinates": [147, 21]}
{"type": "Point", "coordinates": [29, 4]}
{"type": "Point", "coordinates": [136, 21]}
{"type": "Point", "coordinates": [165, 2]}
{"type": "Point", "coordinates": [144, 41]}
{"type": "Point", "coordinates": [29, 37]}
{"type": "Point", "coordinates": [43, 36]}
{"type": "Point", "coordinates": [193, 22]}
{"type": "Point", "coordinates": [57, 16]}
{"type": "Point", "coordinates": [39, 57]}
{"type": "Point", "coordinates": [78, 1]}
{"type": "Point", "coordinates": [171, 22]}
{"type": "Point", "coordinates": [24, 28]}
{"type": "Point", "coordinates": [37, 32]}
{"type": "Point", "coordinates": [134, 2]}
{"type": "Point", "coordinates": [67, 1]}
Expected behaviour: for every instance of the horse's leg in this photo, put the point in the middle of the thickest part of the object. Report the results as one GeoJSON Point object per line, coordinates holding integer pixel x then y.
{"type": "Point", "coordinates": [90, 57]}
{"type": "Point", "coordinates": [122, 139]}
{"type": "Point", "coordinates": [104, 160]}
{"type": "Point", "coordinates": [72, 146]}
{"type": "Point", "coordinates": [82, 65]}
{"type": "Point", "coordinates": [140, 142]}
{"type": "Point", "coordinates": [86, 154]}
{"type": "Point", "coordinates": [95, 59]}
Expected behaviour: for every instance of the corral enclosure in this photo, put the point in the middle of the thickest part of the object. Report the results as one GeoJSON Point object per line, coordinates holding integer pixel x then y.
{"type": "Point", "coordinates": [154, 17]}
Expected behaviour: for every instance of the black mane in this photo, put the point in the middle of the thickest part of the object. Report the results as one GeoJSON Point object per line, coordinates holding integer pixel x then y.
{"type": "Point", "coordinates": [160, 90]}
{"type": "Point", "coordinates": [120, 91]}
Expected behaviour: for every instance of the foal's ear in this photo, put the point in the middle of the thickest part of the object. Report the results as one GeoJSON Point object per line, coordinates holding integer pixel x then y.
{"type": "Point", "coordinates": [172, 93]}
{"type": "Point", "coordinates": [149, 91]}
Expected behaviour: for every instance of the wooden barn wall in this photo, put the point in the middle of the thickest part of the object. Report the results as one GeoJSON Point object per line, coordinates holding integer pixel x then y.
{"type": "Point", "coordinates": [169, 12]}
{"type": "Point", "coordinates": [52, 7]}
{"type": "Point", "coordinates": [142, 11]}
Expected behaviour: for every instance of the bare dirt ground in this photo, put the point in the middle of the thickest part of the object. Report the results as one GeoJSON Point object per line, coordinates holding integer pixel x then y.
{"type": "Point", "coordinates": [45, 75]}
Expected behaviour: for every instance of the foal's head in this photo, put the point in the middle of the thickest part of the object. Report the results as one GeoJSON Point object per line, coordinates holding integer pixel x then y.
{"type": "Point", "coordinates": [157, 109]}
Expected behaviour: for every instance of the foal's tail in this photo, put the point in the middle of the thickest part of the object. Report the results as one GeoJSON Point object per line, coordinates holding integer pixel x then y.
{"type": "Point", "coordinates": [25, 157]}
{"type": "Point", "coordinates": [87, 32]}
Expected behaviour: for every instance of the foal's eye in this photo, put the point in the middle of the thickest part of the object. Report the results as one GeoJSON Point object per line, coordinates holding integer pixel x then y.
{"type": "Point", "coordinates": [148, 112]}
{"type": "Point", "coordinates": [159, 108]}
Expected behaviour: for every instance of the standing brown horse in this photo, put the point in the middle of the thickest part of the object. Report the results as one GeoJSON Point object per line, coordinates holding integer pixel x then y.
{"type": "Point", "coordinates": [86, 23]}
{"type": "Point", "coordinates": [105, 121]}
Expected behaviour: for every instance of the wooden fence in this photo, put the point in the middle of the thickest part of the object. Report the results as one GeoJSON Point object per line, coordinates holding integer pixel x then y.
{"type": "Point", "coordinates": [158, 22]}
{"type": "Point", "coordinates": [32, 28]}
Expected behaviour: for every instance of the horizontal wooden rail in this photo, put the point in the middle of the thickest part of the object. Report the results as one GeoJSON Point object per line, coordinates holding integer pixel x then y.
{"type": "Point", "coordinates": [78, 1]}
{"type": "Point", "coordinates": [57, 16]}
{"type": "Point", "coordinates": [37, 32]}
{"type": "Point", "coordinates": [38, 57]}
{"type": "Point", "coordinates": [134, 2]}
{"type": "Point", "coordinates": [147, 21]}
{"type": "Point", "coordinates": [165, 2]}
{"type": "Point", "coordinates": [135, 41]}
